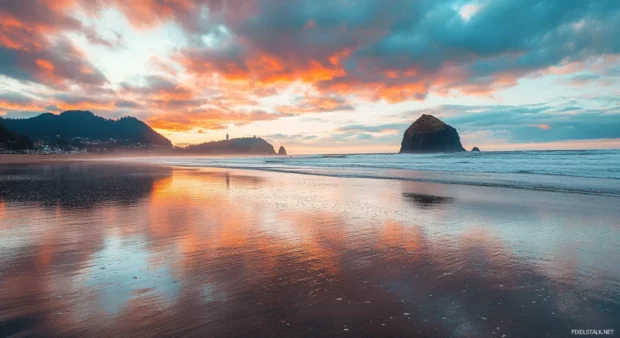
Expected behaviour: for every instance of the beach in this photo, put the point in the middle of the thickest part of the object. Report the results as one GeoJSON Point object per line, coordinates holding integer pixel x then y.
{"type": "Point", "coordinates": [191, 247]}
{"type": "Point", "coordinates": [13, 159]}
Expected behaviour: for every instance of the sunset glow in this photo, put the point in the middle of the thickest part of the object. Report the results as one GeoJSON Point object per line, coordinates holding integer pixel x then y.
{"type": "Point", "coordinates": [322, 76]}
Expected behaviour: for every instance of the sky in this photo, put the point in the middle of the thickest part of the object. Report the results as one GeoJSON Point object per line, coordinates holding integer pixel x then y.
{"type": "Point", "coordinates": [323, 76]}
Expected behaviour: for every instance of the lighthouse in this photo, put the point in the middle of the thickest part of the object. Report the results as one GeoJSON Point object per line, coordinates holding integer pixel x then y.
{"type": "Point", "coordinates": [227, 138]}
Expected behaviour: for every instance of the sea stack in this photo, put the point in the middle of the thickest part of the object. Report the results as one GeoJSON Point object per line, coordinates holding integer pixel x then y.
{"type": "Point", "coordinates": [475, 149]}
{"type": "Point", "coordinates": [429, 134]}
{"type": "Point", "coordinates": [281, 151]}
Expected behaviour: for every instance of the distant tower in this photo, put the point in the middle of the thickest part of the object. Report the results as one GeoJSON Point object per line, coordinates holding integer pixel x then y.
{"type": "Point", "coordinates": [227, 137]}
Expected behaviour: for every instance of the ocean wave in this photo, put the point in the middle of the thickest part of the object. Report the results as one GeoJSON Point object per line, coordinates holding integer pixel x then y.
{"type": "Point", "coordinates": [387, 166]}
{"type": "Point", "coordinates": [335, 156]}
{"type": "Point", "coordinates": [538, 170]}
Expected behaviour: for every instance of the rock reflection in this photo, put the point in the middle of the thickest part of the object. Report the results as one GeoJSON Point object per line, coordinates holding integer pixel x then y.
{"type": "Point", "coordinates": [427, 201]}
{"type": "Point", "coordinates": [232, 253]}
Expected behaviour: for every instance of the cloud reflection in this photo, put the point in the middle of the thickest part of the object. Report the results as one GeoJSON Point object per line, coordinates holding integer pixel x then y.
{"type": "Point", "coordinates": [231, 253]}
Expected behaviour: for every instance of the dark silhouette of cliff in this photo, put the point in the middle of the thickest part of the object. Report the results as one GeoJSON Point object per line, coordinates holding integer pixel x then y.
{"type": "Point", "coordinates": [84, 124]}
{"type": "Point", "coordinates": [246, 145]}
{"type": "Point", "coordinates": [12, 141]}
{"type": "Point", "coordinates": [281, 151]}
{"type": "Point", "coordinates": [428, 134]}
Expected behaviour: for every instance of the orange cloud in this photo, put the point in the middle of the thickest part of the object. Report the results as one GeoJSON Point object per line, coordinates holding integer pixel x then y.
{"type": "Point", "coordinates": [263, 68]}
{"type": "Point", "coordinates": [56, 104]}
{"type": "Point", "coordinates": [86, 105]}
{"type": "Point", "coordinates": [210, 119]}
{"type": "Point", "coordinates": [32, 34]}
{"type": "Point", "coordinates": [19, 106]}
{"type": "Point", "coordinates": [542, 126]}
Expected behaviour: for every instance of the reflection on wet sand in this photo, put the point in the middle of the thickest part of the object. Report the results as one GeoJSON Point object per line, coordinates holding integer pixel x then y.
{"type": "Point", "coordinates": [188, 252]}
{"type": "Point", "coordinates": [426, 201]}
{"type": "Point", "coordinates": [78, 185]}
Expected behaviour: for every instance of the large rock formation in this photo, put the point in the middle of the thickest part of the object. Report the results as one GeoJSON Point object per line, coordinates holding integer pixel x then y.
{"type": "Point", "coordinates": [281, 151]}
{"type": "Point", "coordinates": [475, 149]}
{"type": "Point", "coordinates": [428, 134]}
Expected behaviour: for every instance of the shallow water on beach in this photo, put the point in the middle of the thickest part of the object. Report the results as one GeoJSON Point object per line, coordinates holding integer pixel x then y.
{"type": "Point", "coordinates": [97, 249]}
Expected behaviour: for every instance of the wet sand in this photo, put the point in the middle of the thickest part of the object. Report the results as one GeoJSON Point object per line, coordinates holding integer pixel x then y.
{"type": "Point", "coordinates": [12, 159]}
{"type": "Point", "coordinates": [42, 159]}
{"type": "Point", "coordinates": [95, 249]}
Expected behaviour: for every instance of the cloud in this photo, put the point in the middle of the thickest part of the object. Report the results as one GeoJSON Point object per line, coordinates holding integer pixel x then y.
{"type": "Point", "coordinates": [166, 67]}
{"type": "Point", "coordinates": [15, 97]}
{"type": "Point", "coordinates": [590, 79]}
{"type": "Point", "coordinates": [16, 103]}
{"type": "Point", "coordinates": [210, 119]}
{"type": "Point", "coordinates": [294, 137]}
{"type": "Point", "coordinates": [59, 65]}
{"type": "Point", "coordinates": [398, 52]}
{"type": "Point", "coordinates": [159, 87]}
{"type": "Point", "coordinates": [126, 104]}
{"type": "Point", "coordinates": [33, 49]}
{"type": "Point", "coordinates": [469, 10]}
{"type": "Point", "coordinates": [382, 128]}
{"type": "Point", "coordinates": [12, 103]}
{"type": "Point", "coordinates": [543, 126]}
{"type": "Point", "coordinates": [93, 36]}
{"type": "Point", "coordinates": [316, 104]}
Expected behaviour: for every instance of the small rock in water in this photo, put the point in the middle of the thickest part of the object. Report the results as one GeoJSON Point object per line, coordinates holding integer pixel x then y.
{"type": "Point", "coordinates": [406, 313]}
{"type": "Point", "coordinates": [135, 277]}
{"type": "Point", "coordinates": [483, 318]}
{"type": "Point", "coordinates": [338, 298]}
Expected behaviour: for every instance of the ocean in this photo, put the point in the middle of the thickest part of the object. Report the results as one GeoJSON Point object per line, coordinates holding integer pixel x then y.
{"type": "Point", "coordinates": [579, 171]}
